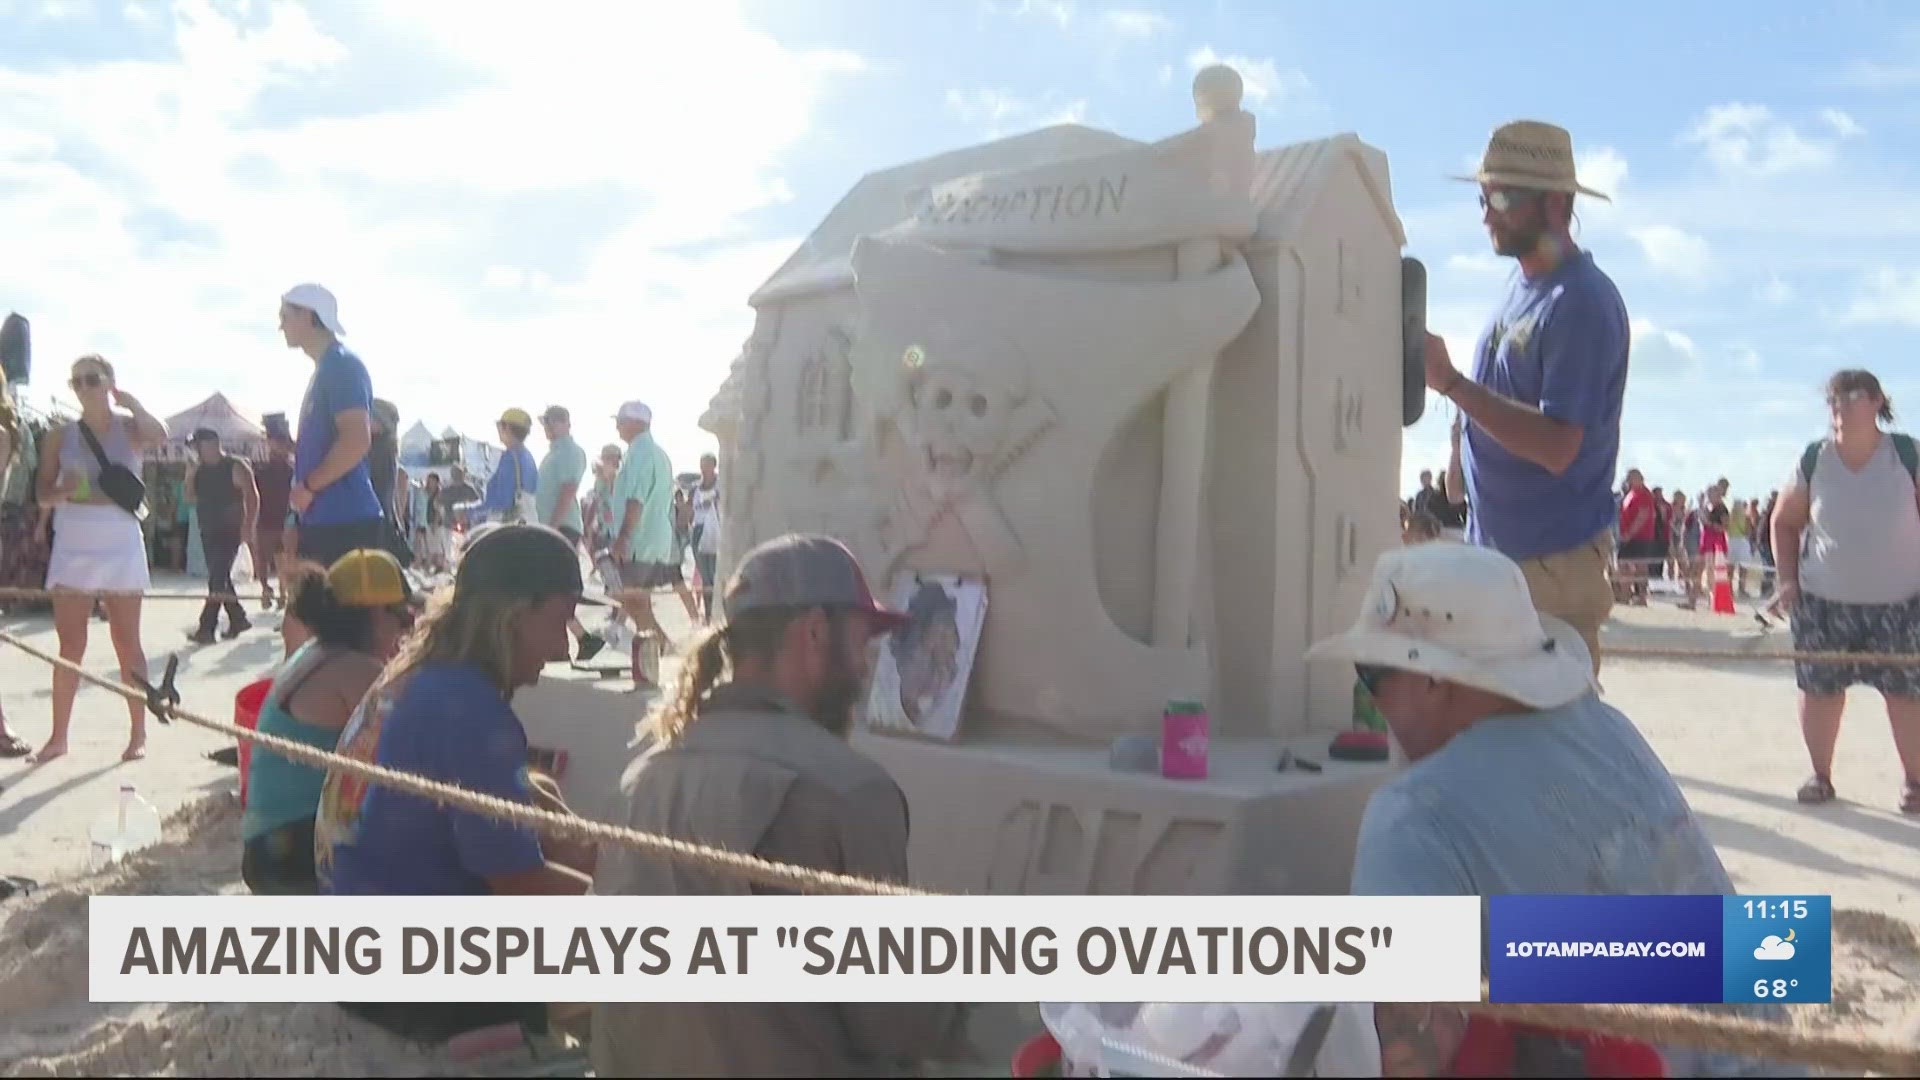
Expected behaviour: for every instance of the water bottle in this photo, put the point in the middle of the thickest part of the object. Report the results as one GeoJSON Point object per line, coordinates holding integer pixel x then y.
{"type": "Point", "coordinates": [120, 832]}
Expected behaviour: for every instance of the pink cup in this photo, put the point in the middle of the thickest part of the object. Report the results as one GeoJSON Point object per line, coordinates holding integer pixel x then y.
{"type": "Point", "coordinates": [1183, 741]}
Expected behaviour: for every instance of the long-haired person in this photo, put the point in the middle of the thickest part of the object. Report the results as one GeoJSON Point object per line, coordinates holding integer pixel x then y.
{"type": "Point", "coordinates": [444, 709]}
{"type": "Point", "coordinates": [97, 543]}
{"type": "Point", "coordinates": [356, 613]}
{"type": "Point", "coordinates": [1846, 536]}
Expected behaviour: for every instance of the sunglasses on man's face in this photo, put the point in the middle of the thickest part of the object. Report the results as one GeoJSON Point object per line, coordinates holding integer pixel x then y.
{"type": "Point", "coordinates": [1505, 200]}
{"type": "Point", "coordinates": [89, 380]}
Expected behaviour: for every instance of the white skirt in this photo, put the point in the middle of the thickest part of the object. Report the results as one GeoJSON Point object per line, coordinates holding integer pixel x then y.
{"type": "Point", "coordinates": [97, 548]}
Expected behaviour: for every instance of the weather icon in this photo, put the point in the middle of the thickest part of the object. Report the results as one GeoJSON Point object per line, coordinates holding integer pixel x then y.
{"type": "Point", "coordinates": [1774, 947]}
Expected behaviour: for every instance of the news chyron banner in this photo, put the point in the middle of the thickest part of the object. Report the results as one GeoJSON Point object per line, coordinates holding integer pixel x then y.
{"type": "Point", "coordinates": [784, 949]}
{"type": "Point", "coordinates": [1660, 949]}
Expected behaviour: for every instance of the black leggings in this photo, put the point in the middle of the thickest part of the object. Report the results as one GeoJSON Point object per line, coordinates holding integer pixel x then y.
{"type": "Point", "coordinates": [280, 863]}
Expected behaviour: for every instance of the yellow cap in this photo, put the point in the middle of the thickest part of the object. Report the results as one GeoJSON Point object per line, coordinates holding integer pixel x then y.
{"type": "Point", "coordinates": [517, 418]}
{"type": "Point", "coordinates": [368, 578]}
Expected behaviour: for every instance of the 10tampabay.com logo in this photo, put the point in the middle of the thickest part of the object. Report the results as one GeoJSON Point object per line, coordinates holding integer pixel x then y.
{"type": "Point", "coordinates": [1660, 949]}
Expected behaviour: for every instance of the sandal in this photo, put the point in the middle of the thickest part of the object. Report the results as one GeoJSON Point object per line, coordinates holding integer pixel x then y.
{"type": "Point", "coordinates": [1910, 798]}
{"type": "Point", "coordinates": [13, 746]}
{"type": "Point", "coordinates": [1819, 789]}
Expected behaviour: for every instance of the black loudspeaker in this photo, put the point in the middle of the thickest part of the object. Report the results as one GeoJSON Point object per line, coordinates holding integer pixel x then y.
{"type": "Point", "coordinates": [16, 348]}
{"type": "Point", "coordinates": [1413, 341]}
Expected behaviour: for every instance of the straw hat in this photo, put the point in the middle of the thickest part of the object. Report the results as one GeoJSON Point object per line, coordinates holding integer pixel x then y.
{"type": "Point", "coordinates": [1530, 154]}
{"type": "Point", "coordinates": [1464, 615]}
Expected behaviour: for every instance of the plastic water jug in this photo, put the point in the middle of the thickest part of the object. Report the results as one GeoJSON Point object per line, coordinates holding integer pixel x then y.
{"type": "Point", "coordinates": [123, 830]}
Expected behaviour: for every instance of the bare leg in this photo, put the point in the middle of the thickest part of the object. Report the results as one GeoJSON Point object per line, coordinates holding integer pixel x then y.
{"type": "Point", "coordinates": [123, 622]}
{"type": "Point", "coordinates": [1903, 712]}
{"type": "Point", "coordinates": [1820, 726]}
{"type": "Point", "coordinates": [686, 597]}
{"type": "Point", "coordinates": [70, 616]}
{"type": "Point", "coordinates": [638, 604]}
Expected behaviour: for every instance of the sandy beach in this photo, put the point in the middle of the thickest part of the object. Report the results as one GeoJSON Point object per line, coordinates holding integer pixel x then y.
{"type": "Point", "coordinates": [1726, 729]}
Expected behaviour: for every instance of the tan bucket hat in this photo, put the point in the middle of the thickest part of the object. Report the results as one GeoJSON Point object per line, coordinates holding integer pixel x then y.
{"type": "Point", "coordinates": [1531, 154]}
{"type": "Point", "coordinates": [1464, 614]}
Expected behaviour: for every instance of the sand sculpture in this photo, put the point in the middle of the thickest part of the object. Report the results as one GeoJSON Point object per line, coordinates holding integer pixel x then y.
{"type": "Point", "coordinates": [1150, 392]}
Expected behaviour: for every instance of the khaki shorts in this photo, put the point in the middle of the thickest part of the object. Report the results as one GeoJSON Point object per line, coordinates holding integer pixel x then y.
{"type": "Point", "coordinates": [1572, 586]}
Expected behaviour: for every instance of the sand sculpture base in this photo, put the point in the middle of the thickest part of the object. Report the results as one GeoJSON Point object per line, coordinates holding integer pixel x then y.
{"type": "Point", "coordinates": [1013, 818]}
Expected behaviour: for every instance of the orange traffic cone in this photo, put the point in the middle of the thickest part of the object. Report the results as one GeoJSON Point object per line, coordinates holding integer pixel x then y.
{"type": "Point", "coordinates": [1723, 589]}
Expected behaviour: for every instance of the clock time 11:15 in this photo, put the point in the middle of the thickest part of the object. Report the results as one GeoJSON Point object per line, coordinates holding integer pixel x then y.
{"type": "Point", "coordinates": [1784, 909]}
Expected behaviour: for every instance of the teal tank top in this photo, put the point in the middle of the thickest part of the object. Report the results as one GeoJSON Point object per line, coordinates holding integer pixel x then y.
{"type": "Point", "coordinates": [282, 792]}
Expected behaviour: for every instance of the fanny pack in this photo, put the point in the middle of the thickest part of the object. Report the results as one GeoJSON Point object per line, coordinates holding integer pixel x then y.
{"type": "Point", "coordinates": [118, 482]}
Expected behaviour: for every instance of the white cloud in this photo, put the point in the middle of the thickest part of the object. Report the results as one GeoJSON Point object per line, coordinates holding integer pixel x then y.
{"type": "Point", "coordinates": [994, 113]}
{"type": "Point", "coordinates": [1483, 264]}
{"type": "Point", "coordinates": [1660, 351]}
{"type": "Point", "coordinates": [1750, 139]}
{"type": "Point", "coordinates": [1137, 24]}
{"type": "Point", "coordinates": [1843, 125]}
{"type": "Point", "coordinates": [1776, 291]}
{"type": "Point", "coordinates": [1773, 947]}
{"type": "Point", "coordinates": [1674, 252]}
{"type": "Point", "coordinates": [1603, 169]}
{"type": "Point", "coordinates": [1267, 85]}
{"type": "Point", "coordinates": [560, 215]}
{"type": "Point", "coordinates": [1060, 11]}
{"type": "Point", "coordinates": [1888, 296]}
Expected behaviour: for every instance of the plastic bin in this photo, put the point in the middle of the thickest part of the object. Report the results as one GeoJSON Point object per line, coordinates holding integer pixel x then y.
{"type": "Point", "coordinates": [246, 714]}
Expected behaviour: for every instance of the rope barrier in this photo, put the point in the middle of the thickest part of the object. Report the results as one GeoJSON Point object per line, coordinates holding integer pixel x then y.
{"type": "Point", "coordinates": [21, 593]}
{"type": "Point", "coordinates": [1656, 1025]}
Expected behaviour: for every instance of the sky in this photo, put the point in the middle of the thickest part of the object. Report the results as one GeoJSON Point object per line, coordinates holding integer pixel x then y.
{"type": "Point", "coordinates": [575, 210]}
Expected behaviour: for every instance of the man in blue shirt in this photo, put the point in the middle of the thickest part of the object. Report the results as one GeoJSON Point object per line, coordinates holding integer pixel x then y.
{"type": "Point", "coordinates": [513, 489]}
{"type": "Point", "coordinates": [1541, 410]}
{"type": "Point", "coordinates": [332, 493]}
{"type": "Point", "coordinates": [1520, 779]}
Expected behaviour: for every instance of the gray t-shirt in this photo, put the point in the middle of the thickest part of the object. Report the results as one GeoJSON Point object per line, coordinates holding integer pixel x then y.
{"type": "Point", "coordinates": [1862, 542]}
{"type": "Point", "coordinates": [1564, 801]}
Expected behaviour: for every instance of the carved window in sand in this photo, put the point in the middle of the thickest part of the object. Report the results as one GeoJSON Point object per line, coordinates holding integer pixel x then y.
{"type": "Point", "coordinates": [826, 390]}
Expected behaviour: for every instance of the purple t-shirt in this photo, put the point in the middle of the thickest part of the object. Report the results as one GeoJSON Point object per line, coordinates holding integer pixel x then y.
{"type": "Point", "coordinates": [446, 722]}
{"type": "Point", "coordinates": [340, 384]}
{"type": "Point", "coordinates": [1558, 343]}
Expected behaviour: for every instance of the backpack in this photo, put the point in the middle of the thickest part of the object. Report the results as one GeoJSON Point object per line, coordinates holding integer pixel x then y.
{"type": "Point", "coordinates": [1903, 445]}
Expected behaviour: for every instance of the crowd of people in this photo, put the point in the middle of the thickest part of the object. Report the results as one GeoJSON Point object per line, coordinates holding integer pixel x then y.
{"type": "Point", "coordinates": [335, 488]}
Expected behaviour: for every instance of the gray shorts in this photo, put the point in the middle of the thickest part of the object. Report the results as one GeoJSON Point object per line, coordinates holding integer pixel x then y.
{"type": "Point", "coordinates": [648, 575]}
{"type": "Point", "coordinates": [1821, 625]}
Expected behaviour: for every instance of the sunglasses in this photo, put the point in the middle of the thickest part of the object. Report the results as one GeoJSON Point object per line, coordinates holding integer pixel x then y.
{"type": "Point", "coordinates": [1371, 676]}
{"type": "Point", "coordinates": [1850, 397]}
{"type": "Point", "coordinates": [1503, 200]}
{"type": "Point", "coordinates": [91, 380]}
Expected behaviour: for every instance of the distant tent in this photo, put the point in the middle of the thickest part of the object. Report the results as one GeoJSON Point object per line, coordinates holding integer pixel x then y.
{"type": "Point", "coordinates": [238, 435]}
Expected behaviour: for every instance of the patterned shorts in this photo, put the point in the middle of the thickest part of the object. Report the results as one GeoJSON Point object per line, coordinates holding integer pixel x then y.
{"type": "Point", "coordinates": [1829, 626]}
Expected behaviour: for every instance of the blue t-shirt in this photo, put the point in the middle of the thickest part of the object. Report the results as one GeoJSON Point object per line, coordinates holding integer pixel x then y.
{"type": "Point", "coordinates": [447, 722]}
{"type": "Point", "coordinates": [1564, 801]}
{"type": "Point", "coordinates": [340, 384]}
{"type": "Point", "coordinates": [501, 485]}
{"type": "Point", "coordinates": [1560, 344]}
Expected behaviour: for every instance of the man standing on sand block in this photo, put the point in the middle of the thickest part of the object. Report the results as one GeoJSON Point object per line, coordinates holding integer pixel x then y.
{"type": "Point", "coordinates": [1541, 409]}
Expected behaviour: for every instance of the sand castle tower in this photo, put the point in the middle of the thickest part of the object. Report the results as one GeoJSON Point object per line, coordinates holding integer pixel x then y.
{"type": "Point", "coordinates": [1149, 397]}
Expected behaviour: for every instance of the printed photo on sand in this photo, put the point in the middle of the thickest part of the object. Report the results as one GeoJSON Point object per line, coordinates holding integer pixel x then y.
{"type": "Point", "coordinates": [921, 671]}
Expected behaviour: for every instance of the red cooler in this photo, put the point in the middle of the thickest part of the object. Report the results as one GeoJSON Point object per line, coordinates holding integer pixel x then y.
{"type": "Point", "coordinates": [246, 714]}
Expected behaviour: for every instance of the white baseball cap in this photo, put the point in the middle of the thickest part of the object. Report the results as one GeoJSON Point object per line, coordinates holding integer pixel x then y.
{"type": "Point", "coordinates": [1464, 614]}
{"type": "Point", "coordinates": [317, 299]}
{"type": "Point", "coordinates": [635, 410]}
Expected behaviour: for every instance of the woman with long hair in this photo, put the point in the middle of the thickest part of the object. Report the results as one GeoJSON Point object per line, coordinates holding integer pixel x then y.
{"type": "Point", "coordinates": [356, 612]}
{"type": "Point", "coordinates": [443, 709]}
{"type": "Point", "coordinates": [1846, 537]}
{"type": "Point", "coordinates": [98, 548]}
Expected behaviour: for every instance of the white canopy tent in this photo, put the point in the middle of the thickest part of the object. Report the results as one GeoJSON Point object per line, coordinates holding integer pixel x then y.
{"type": "Point", "coordinates": [239, 435]}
